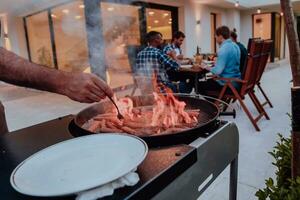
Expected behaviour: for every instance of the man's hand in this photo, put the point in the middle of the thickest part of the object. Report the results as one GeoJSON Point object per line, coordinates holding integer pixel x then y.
{"type": "Point", "coordinates": [85, 88]}
{"type": "Point", "coordinates": [180, 57]}
{"type": "Point", "coordinates": [172, 54]}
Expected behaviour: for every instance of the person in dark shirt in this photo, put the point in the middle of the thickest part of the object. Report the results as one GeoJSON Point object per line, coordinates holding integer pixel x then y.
{"type": "Point", "coordinates": [243, 49]}
{"type": "Point", "coordinates": [174, 50]}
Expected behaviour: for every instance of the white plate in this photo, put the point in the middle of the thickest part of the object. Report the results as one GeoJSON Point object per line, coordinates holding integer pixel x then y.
{"type": "Point", "coordinates": [78, 164]}
{"type": "Point", "coordinates": [186, 66]}
{"type": "Point", "coordinates": [208, 62]}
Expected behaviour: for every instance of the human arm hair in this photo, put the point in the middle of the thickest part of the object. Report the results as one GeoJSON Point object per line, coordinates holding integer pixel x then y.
{"type": "Point", "coordinates": [80, 87]}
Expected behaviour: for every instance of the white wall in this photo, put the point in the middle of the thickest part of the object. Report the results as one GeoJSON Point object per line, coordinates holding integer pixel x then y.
{"type": "Point", "coordinates": [246, 27]}
{"type": "Point", "coordinates": [16, 34]}
{"type": "Point", "coordinates": [201, 34]}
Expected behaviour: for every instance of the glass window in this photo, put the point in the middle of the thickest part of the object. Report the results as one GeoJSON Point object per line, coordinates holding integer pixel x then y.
{"type": "Point", "coordinates": [39, 39]}
{"type": "Point", "coordinates": [161, 21]}
{"type": "Point", "coordinates": [120, 30]}
{"type": "Point", "coordinates": [70, 37]}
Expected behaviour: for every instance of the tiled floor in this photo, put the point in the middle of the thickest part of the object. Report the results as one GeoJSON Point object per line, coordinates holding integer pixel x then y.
{"type": "Point", "coordinates": [25, 107]}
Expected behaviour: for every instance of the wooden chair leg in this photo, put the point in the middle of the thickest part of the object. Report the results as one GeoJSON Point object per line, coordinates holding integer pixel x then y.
{"type": "Point", "coordinates": [264, 94]}
{"type": "Point", "coordinates": [221, 95]}
{"type": "Point", "coordinates": [236, 94]}
{"type": "Point", "coordinates": [258, 106]}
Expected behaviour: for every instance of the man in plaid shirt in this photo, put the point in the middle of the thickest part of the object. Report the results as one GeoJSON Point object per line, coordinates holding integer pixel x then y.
{"type": "Point", "coordinates": [152, 60]}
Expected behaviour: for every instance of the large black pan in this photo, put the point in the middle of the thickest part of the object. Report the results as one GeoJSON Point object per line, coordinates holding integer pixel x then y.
{"type": "Point", "coordinates": [207, 119]}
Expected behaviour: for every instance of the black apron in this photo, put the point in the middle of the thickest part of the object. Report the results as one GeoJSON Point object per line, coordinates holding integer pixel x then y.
{"type": "Point", "coordinates": [3, 125]}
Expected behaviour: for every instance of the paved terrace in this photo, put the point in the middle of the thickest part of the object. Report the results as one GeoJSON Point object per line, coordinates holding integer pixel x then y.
{"type": "Point", "coordinates": [26, 107]}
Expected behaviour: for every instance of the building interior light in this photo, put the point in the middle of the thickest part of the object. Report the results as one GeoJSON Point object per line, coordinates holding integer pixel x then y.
{"type": "Point", "coordinates": [53, 16]}
{"type": "Point", "coordinates": [65, 11]}
{"type": "Point", "coordinates": [170, 22]}
{"type": "Point", "coordinates": [258, 11]}
{"type": "Point", "coordinates": [110, 8]}
{"type": "Point", "coordinates": [78, 17]}
{"type": "Point", "coordinates": [156, 21]}
{"type": "Point", "coordinates": [151, 13]}
{"type": "Point", "coordinates": [81, 6]}
{"type": "Point", "coordinates": [166, 14]}
{"type": "Point", "coordinates": [281, 13]}
{"type": "Point", "coordinates": [237, 4]}
{"type": "Point", "coordinates": [170, 19]}
{"type": "Point", "coordinates": [149, 27]}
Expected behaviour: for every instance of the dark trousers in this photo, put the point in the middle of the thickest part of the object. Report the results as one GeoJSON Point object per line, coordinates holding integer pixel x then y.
{"type": "Point", "coordinates": [186, 81]}
{"type": "Point", "coordinates": [209, 85]}
{"type": "Point", "coordinates": [3, 125]}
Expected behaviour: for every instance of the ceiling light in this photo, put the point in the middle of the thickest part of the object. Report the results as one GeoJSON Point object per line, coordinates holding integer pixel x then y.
{"type": "Point", "coordinates": [281, 13]}
{"type": "Point", "coordinates": [258, 11]}
{"type": "Point", "coordinates": [81, 6]}
{"type": "Point", "coordinates": [170, 19]}
{"type": "Point", "coordinates": [66, 11]}
{"type": "Point", "coordinates": [78, 17]}
{"type": "Point", "coordinates": [151, 13]}
{"type": "Point", "coordinates": [53, 16]}
{"type": "Point", "coordinates": [166, 14]}
{"type": "Point", "coordinates": [170, 22]}
{"type": "Point", "coordinates": [110, 8]}
{"type": "Point", "coordinates": [149, 27]}
{"type": "Point", "coordinates": [156, 21]}
{"type": "Point", "coordinates": [237, 4]}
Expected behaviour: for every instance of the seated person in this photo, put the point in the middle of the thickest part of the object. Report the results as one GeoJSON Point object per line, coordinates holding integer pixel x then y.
{"type": "Point", "coordinates": [227, 64]}
{"type": "Point", "coordinates": [152, 60]}
{"type": "Point", "coordinates": [243, 50]}
{"type": "Point", "coordinates": [173, 49]}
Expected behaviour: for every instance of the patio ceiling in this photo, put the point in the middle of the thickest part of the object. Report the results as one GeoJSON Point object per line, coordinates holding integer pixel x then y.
{"type": "Point", "coordinates": [24, 7]}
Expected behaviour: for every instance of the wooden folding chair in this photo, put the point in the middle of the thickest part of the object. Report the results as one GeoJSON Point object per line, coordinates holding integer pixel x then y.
{"type": "Point", "coordinates": [266, 51]}
{"type": "Point", "coordinates": [247, 83]}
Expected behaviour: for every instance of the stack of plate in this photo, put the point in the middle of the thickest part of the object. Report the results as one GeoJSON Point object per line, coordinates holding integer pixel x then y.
{"type": "Point", "coordinates": [78, 164]}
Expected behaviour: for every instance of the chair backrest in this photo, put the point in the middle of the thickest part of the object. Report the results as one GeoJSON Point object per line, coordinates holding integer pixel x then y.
{"type": "Point", "coordinates": [251, 50]}
{"type": "Point", "coordinates": [265, 53]}
{"type": "Point", "coordinates": [251, 69]}
{"type": "Point", "coordinates": [249, 43]}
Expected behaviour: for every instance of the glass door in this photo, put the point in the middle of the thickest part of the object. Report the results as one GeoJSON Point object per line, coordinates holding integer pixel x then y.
{"type": "Point", "coordinates": [39, 39]}
{"type": "Point", "coordinates": [120, 29]}
{"type": "Point", "coordinates": [161, 21]}
{"type": "Point", "coordinates": [70, 37]}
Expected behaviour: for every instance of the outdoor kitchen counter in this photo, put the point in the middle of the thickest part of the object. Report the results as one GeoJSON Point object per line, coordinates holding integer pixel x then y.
{"type": "Point", "coordinates": [160, 167]}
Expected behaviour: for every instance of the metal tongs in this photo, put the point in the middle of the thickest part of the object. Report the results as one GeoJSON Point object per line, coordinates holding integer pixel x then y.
{"type": "Point", "coordinates": [120, 116]}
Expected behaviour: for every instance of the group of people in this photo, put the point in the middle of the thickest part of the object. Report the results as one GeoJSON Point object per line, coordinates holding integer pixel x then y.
{"type": "Point", "coordinates": [166, 61]}
{"type": "Point", "coordinates": [163, 62]}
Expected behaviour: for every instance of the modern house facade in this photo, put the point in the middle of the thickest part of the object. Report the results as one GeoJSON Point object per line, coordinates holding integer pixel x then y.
{"type": "Point", "coordinates": [79, 35]}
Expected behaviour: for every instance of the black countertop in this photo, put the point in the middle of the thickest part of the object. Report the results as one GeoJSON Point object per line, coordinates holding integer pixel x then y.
{"type": "Point", "coordinates": [160, 168]}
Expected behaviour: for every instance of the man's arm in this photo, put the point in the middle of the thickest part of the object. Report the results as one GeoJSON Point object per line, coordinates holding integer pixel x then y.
{"type": "Point", "coordinates": [221, 62]}
{"type": "Point", "coordinates": [77, 86]}
{"type": "Point", "coordinates": [168, 62]}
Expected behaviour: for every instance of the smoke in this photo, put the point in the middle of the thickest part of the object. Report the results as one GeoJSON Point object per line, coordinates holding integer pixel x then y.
{"type": "Point", "coordinates": [108, 29]}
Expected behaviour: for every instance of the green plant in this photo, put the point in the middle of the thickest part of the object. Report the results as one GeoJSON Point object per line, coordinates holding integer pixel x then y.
{"type": "Point", "coordinates": [285, 188]}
